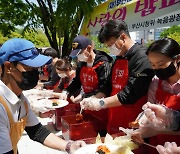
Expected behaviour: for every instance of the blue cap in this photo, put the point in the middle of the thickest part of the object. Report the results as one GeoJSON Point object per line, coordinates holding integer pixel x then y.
{"type": "Point", "coordinates": [79, 42]}
{"type": "Point", "coordinates": [23, 51]}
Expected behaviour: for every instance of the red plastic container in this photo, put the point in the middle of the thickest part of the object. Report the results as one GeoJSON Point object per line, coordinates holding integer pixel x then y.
{"type": "Point", "coordinates": [73, 130]}
{"type": "Point", "coordinates": [70, 109]}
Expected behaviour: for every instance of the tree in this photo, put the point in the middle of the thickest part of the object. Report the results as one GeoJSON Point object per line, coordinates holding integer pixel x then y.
{"type": "Point", "coordinates": [170, 30]}
{"type": "Point", "coordinates": [58, 18]}
{"type": "Point", "coordinates": [37, 37]}
{"type": "Point", "coordinates": [12, 13]}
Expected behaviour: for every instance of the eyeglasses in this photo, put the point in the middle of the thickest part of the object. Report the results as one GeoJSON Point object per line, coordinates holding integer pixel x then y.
{"type": "Point", "coordinates": [27, 53]}
{"type": "Point", "coordinates": [110, 44]}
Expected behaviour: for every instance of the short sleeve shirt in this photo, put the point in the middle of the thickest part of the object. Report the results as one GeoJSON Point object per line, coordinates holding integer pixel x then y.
{"type": "Point", "coordinates": [17, 109]}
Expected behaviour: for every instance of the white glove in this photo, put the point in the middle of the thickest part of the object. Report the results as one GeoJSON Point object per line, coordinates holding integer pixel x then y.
{"type": "Point", "coordinates": [78, 98]}
{"type": "Point", "coordinates": [156, 119]}
{"type": "Point", "coordinates": [63, 95]}
{"type": "Point", "coordinates": [76, 145]}
{"type": "Point", "coordinates": [159, 115]}
{"type": "Point", "coordinates": [91, 103]}
{"type": "Point", "coordinates": [39, 106]}
{"type": "Point", "coordinates": [168, 148]}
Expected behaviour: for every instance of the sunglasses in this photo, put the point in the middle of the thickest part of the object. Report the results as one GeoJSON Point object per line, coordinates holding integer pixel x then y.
{"type": "Point", "coordinates": [27, 53]}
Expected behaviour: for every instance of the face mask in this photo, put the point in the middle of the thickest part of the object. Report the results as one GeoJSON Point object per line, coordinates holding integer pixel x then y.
{"type": "Point", "coordinates": [62, 75]}
{"type": "Point", "coordinates": [114, 50]}
{"type": "Point", "coordinates": [29, 80]}
{"type": "Point", "coordinates": [89, 64]}
{"type": "Point", "coordinates": [82, 58]}
{"type": "Point", "coordinates": [166, 73]}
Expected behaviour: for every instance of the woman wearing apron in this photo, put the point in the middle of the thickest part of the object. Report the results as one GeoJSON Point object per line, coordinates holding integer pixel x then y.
{"type": "Point", "coordinates": [164, 56]}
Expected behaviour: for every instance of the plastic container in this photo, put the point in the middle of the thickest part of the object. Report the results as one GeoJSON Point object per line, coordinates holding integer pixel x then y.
{"type": "Point", "coordinates": [73, 130]}
{"type": "Point", "coordinates": [70, 109]}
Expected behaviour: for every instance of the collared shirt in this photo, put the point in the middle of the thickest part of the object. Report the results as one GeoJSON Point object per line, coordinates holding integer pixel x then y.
{"type": "Point", "coordinates": [173, 89]}
{"type": "Point", "coordinates": [14, 104]}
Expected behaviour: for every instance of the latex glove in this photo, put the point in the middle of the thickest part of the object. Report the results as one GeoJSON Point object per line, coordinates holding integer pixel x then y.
{"type": "Point", "coordinates": [63, 95]}
{"type": "Point", "coordinates": [156, 120]}
{"type": "Point", "coordinates": [40, 85]}
{"type": "Point", "coordinates": [39, 106]}
{"type": "Point", "coordinates": [159, 115]}
{"type": "Point", "coordinates": [91, 103]}
{"type": "Point", "coordinates": [78, 98]}
{"type": "Point", "coordinates": [76, 145]}
{"type": "Point", "coordinates": [168, 148]}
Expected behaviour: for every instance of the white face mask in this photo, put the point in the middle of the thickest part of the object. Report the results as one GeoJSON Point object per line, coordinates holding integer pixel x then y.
{"type": "Point", "coordinates": [89, 64]}
{"type": "Point", "coordinates": [62, 75]}
{"type": "Point", "coordinates": [114, 50]}
{"type": "Point", "coordinates": [82, 58]}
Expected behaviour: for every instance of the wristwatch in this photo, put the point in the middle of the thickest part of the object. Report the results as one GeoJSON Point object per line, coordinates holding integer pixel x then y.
{"type": "Point", "coordinates": [101, 102]}
{"type": "Point", "coordinates": [68, 146]}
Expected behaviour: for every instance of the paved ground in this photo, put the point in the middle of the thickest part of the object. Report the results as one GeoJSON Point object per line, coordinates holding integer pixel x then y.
{"type": "Point", "coordinates": [27, 146]}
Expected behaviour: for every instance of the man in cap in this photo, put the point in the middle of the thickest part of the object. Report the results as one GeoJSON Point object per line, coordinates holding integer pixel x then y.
{"type": "Point", "coordinates": [93, 69]}
{"type": "Point", "coordinates": [20, 60]}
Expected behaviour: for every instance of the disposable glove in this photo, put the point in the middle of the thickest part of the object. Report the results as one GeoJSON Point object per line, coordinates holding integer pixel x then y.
{"type": "Point", "coordinates": [156, 119]}
{"type": "Point", "coordinates": [78, 98]}
{"type": "Point", "coordinates": [76, 145]}
{"type": "Point", "coordinates": [91, 103]}
{"type": "Point", "coordinates": [168, 148]}
{"type": "Point", "coordinates": [161, 116]}
{"type": "Point", "coordinates": [63, 95]}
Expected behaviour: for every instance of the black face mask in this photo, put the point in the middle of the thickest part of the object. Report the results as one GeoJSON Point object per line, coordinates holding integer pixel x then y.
{"type": "Point", "coordinates": [166, 73]}
{"type": "Point", "coordinates": [29, 80]}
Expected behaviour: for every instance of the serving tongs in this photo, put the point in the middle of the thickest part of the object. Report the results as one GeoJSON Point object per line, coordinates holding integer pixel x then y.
{"type": "Point", "coordinates": [81, 110]}
{"type": "Point", "coordinates": [152, 146]}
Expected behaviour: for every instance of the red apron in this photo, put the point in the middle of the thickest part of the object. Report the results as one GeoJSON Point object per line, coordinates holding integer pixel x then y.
{"type": "Point", "coordinates": [171, 101]}
{"type": "Point", "coordinates": [89, 81]}
{"type": "Point", "coordinates": [122, 115]}
{"type": "Point", "coordinates": [45, 71]}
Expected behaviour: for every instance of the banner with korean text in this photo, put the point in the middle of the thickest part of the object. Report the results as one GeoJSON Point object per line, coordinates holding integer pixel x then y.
{"type": "Point", "coordinates": [138, 14]}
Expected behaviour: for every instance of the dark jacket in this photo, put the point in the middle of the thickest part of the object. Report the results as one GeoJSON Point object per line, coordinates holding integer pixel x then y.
{"type": "Point", "coordinates": [102, 72]}
{"type": "Point", "coordinates": [53, 77]}
{"type": "Point", "coordinates": [140, 76]}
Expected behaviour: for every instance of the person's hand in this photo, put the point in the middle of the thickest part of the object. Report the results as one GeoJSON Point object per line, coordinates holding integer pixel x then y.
{"type": "Point", "coordinates": [76, 145]}
{"type": "Point", "coordinates": [63, 95]}
{"type": "Point", "coordinates": [158, 115]}
{"type": "Point", "coordinates": [156, 119]}
{"type": "Point", "coordinates": [40, 85]}
{"type": "Point", "coordinates": [77, 99]}
{"type": "Point", "coordinates": [91, 103]}
{"type": "Point", "coordinates": [168, 148]}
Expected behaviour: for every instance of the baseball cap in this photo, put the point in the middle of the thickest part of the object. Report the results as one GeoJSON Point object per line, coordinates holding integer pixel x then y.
{"type": "Point", "coordinates": [23, 51]}
{"type": "Point", "coordinates": [79, 42]}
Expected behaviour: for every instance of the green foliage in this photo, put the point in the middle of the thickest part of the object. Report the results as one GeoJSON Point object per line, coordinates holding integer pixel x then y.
{"type": "Point", "coordinates": [170, 31]}
{"type": "Point", "coordinates": [12, 13]}
{"type": "Point", "coordinates": [37, 37]}
{"type": "Point", "coordinates": [56, 17]}
{"type": "Point", "coordinates": [98, 45]}
{"type": "Point", "coordinates": [175, 36]}
{"type": "Point", "coordinates": [149, 43]}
